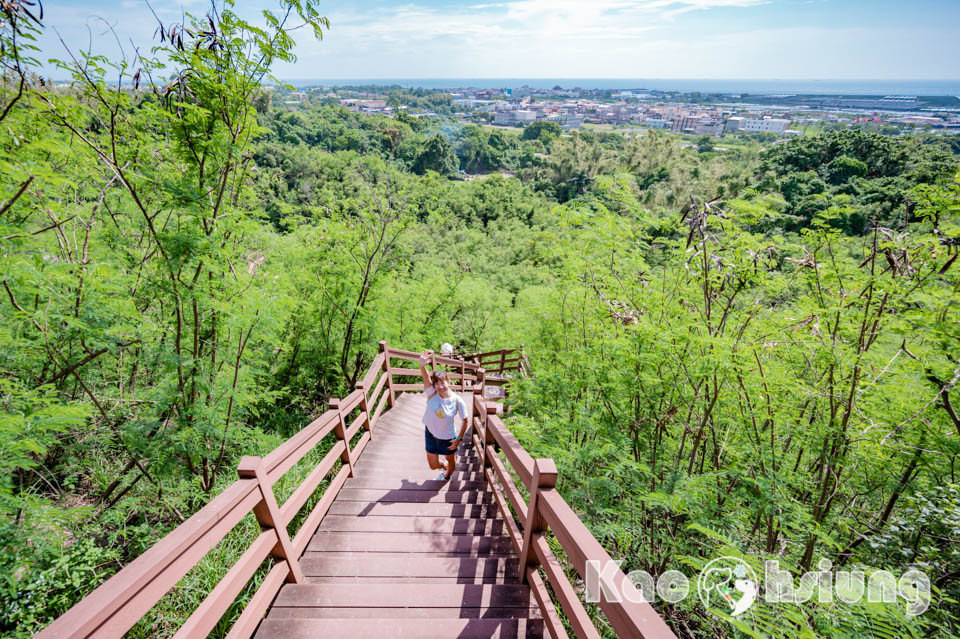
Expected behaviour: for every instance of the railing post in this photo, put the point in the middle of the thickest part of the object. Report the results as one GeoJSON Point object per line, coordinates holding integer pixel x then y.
{"type": "Point", "coordinates": [391, 398]}
{"type": "Point", "coordinates": [463, 376]}
{"type": "Point", "coordinates": [268, 515]}
{"type": "Point", "coordinates": [481, 415]}
{"type": "Point", "coordinates": [488, 438]}
{"type": "Point", "coordinates": [367, 426]}
{"type": "Point", "coordinates": [341, 432]}
{"type": "Point", "coordinates": [544, 477]}
{"type": "Point", "coordinates": [503, 359]}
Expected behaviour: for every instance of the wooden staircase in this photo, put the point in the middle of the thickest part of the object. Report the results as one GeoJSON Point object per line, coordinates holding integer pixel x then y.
{"type": "Point", "coordinates": [384, 550]}
{"type": "Point", "coordinates": [402, 555]}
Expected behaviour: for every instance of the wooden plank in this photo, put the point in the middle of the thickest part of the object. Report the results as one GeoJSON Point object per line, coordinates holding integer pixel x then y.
{"type": "Point", "coordinates": [268, 515]}
{"type": "Point", "coordinates": [426, 525]}
{"type": "Point", "coordinates": [380, 404]}
{"type": "Point", "coordinates": [512, 529]}
{"type": "Point", "coordinates": [310, 524]}
{"type": "Point", "coordinates": [370, 495]}
{"type": "Point", "coordinates": [403, 613]}
{"type": "Point", "coordinates": [520, 459]}
{"type": "Point", "coordinates": [415, 455]}
{"type": "Point", "coordinates": [253, 612]}
{"type": "Point", "coordinates": [351, 401]}
{"type": "Point", "coordinates": [408, 387]}
{"type": "Point", "coordinates": [376, 391]}
{"type": "Point", "coordinates": [627, 618]}
{"type": "Point", "coordinates": [411, 580]}
{"type": "Point", "coordinates": [455, 596]}
{"type": "Point", "coordinates": [476, 545]}
{"type": "Point", "coordinates": [401, 628]}
{"type": "Point", "coordinates": [283, 457]}
{"type": "Point", "coordinates": [374, 481]}
{"type": "Point", "coordinates": [516, 499]}
{"type": "Point", "coordinates": [208, 613]}
{"type": "Point", "coordinates": [361, 444]}
{"type": "Point", "coordinates": [295, 502]}
{"type": "Point", "coordinates": [548, 612]}
{"type": "Point", "coordinates": [410, 466]}
{"type": "Point", "coordinates": [418, 474]}
{"type": "Point", "coordinates": [573, 609]}
{"type": "Point", "coordinates": [360, 420]}
{"type": "Point", "coordinates": [325, 565]}
{"type": "Point", "coordinates": [402, 354]}
{"type": "Point", "coordinates": [410, 372]}
{"type": "Point", "coordinates": [115, 606]}
{"type": "Point", "coordinates": [375, 367]}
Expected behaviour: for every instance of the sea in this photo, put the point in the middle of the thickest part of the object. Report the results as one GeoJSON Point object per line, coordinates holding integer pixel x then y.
{"type": "Point", "coordinates": [682, 85]}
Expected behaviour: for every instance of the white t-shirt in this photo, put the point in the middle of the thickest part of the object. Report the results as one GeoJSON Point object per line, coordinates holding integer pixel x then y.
{"type": "Point", "coordinates": [439, 416]}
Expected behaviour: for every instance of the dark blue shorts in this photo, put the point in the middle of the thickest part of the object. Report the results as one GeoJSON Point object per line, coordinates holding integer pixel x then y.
{"type": "Point", "coordinates": [437, 446]}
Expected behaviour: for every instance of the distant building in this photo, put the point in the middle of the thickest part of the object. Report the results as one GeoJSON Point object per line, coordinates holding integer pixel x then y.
{"type": "Point", "coordinates": [526, 116]}
{"type": "Point", "coordinates": [505, 118]}
{"type": "Point", "coordinates": [752, 125]}
{"type": "Point", "coordinates": [656, 123]}
{"type": "Point", "coordinates": [363, 105]}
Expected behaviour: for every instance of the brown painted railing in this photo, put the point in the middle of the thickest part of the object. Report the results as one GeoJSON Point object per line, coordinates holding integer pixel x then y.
{"type": "Point", "coordinates": [546, 509]}
{"type": "Point", "coordinates": [118, 604]}
{"type": "Point", "coordinates": [512, 360]}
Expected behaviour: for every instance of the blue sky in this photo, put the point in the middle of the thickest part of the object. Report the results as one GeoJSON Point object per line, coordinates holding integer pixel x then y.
{"type": "Point", "coordinates": [787, 39]}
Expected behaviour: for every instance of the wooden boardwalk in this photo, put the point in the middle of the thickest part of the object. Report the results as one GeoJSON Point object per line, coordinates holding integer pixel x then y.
{"type": "Point", "coordinates": [399, 554]}
{"type": "Point", "coordinates": [386, 550]}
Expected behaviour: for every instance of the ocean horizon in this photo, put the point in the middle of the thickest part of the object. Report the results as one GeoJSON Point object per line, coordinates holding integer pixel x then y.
{"type": "Point", "coordinates": [684, 85]}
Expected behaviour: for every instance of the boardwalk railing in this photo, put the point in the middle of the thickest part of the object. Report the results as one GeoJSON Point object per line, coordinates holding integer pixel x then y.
{"type": "Point", "coordinates": [544, 510]}
{"type": "Point", "coordinates": [512, 360]}
{"type": "Point", "coordinates": [118, 604]}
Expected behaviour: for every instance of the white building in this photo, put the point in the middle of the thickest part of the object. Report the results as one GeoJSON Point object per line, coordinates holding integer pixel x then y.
{"type": "Point", "coordinates": [505, 117]}
{"type": "Point", "coordinates": [526, 116]}
{"type": "Point", "coordinates": [751, 125]}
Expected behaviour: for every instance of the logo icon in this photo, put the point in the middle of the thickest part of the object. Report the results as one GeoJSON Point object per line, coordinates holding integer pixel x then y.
{"type": "Point", "coordinates": [728, 585]}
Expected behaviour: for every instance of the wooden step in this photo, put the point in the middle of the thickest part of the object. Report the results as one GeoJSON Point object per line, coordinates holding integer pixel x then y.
{"type": "Point", "coordinates": [381, 482]}
{"type": "Point", "coordinates": [418, 454]}
{"type": "Point", "coordinates": [412, 580]}
{"type": "Point", "coordinates": [453, 596]}
{"type": "Point", "coordinates": [424, 525]}
{"type": "Point", "coordinates": [374, 542]}
{"type": "Point", "coordinates": [417, 474]}
{"type": "Point", "coordinates": [400, 628]}
{"type": "Point", "coordinates": [485, 612]}
{"type": "Point", "coordinates": [324, 565]}
{"type": "Point", "coordinates": [380, 495]}
{"type": "Point", "coordinates": [412, 469]}
{"type": "Point", "coordinates": [402, 509]}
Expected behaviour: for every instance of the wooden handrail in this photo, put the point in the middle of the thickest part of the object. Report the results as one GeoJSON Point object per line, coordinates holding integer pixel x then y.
{"type": "Point", "coordinates": [119, 603]}
{"type": "Point", "coordinates": [115, 606]}
{"type": "Point", "coordinates": [545, 509]}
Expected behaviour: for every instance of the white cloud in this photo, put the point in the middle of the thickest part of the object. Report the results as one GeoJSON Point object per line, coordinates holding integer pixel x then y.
{"type": "Point", "coordinates": [517, 38]}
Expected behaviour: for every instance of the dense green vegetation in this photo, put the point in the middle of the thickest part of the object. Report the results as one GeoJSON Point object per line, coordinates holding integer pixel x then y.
{"type": "Point", "coordinates": [739, 348]}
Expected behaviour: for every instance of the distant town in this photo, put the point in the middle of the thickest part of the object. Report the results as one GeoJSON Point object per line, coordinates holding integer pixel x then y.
{"type": "Point", "coordinates": [712, 114]}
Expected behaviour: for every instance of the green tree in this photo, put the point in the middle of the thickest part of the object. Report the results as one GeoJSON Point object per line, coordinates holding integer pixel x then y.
{"type": "Point", "coordinates": [537, 130]}
{"type": "Point", "coordinates": [436, 155]}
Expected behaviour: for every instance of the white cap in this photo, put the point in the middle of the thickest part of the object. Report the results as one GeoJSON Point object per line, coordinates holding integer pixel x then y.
{"type": "Point", "coordinates": [446, 349]}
